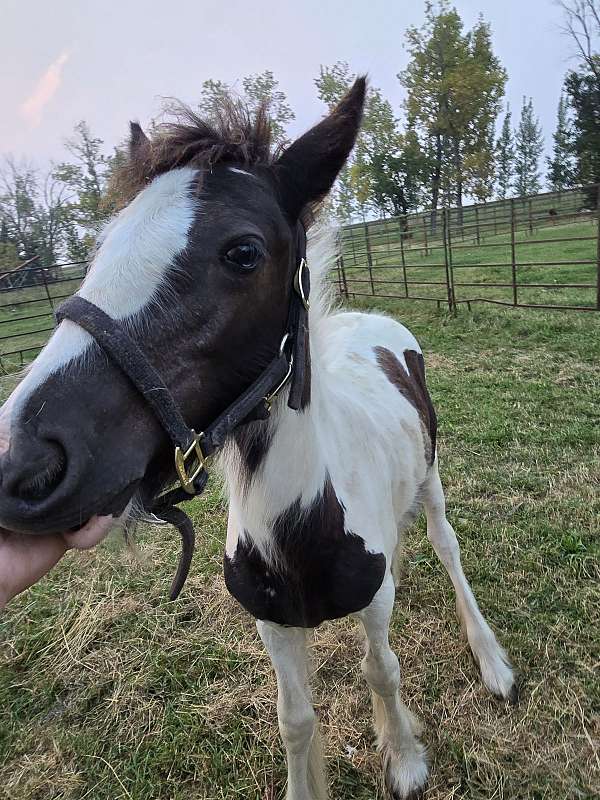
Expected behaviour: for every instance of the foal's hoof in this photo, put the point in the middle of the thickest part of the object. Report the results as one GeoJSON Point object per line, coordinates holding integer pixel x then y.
{"type": "Point", "coordinates": [405, 776]}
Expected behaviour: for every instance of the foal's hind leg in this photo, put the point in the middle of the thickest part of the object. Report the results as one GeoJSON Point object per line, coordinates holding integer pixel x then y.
{"type": "Point", "coordinates": [404, 761]}
{"type": "Point", "coordinates": [496, 671]}
{"type": "Point", "coordinates": [297, 719]}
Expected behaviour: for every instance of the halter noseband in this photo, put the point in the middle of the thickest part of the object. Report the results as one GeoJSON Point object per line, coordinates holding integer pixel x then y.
{"type": "Point", "coordinates": [191, 449]}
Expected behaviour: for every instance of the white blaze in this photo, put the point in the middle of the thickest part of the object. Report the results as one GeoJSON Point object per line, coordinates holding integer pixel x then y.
{"type": "Point", "coordinates": [137, 251]}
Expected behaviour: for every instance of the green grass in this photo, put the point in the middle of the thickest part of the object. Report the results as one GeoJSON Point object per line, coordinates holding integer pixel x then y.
{"type": "Point", "coordinates": [108, 691]}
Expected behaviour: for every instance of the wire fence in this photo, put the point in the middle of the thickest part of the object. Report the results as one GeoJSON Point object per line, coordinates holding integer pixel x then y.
{"type": "Point", "coordinates": [534, 252]}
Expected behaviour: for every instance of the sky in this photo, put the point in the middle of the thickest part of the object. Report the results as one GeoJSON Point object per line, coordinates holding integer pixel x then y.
{"type": "Point", "coordinates": [109, 62]}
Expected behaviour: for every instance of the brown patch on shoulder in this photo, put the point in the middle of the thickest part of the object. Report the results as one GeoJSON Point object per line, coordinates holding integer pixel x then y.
{"type": "Point", "coordinates": [410, 382]}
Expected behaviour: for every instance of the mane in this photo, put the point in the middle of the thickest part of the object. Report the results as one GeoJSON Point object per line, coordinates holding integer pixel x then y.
{"type": "Point", "coordinates": [233, 135]}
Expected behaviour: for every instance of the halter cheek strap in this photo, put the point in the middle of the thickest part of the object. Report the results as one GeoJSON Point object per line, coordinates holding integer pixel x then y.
{"type": "Point", "coordinates": [191, 449]}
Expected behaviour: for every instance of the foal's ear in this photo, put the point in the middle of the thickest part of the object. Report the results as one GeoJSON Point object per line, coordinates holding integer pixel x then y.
{"type": "Point", "coordinates": [307, 169]}
{"type": "Point", "coordinates": [138, 141]}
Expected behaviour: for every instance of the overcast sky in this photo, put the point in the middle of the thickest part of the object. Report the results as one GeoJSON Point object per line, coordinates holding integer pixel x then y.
{"type": "Point", "coordinates": [108, 62]}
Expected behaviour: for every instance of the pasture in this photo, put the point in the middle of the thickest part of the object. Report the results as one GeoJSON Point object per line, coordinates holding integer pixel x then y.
{"type": "Point", "coordinates": [109, 691]}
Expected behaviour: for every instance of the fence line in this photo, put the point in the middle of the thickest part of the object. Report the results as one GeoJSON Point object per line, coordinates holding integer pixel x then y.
{"type": "Point", "coordinates": [451, 257]}
{"type": "Point", "coordinates": [498, 243]}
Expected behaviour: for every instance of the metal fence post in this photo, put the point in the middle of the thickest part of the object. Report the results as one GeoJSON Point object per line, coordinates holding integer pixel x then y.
{"type": "Point", "coordinates": [48, 295]}
{"type": "Point", "coordinates": [446, 262]}
{"type": "Point", "coordinates": [425, 235]}
{"type": "Point", "coordinates": [530, 219]}
{"type": "Point", "coordinates": [369, 257]}
{"type": "Point", "coordinates": [450, 267]}
{"type": "Point", "coordinates": [477, 237]}
{"type": "Point", "coordinates": [513, 250]}
{"type": "Point", "coordinates": [598, 249]}
{"type": "Point", "coordinates": [403, 257]}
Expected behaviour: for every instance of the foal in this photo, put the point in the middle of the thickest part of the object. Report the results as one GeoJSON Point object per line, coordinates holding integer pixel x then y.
{"type": "Point", "coordinates": [200, 269]}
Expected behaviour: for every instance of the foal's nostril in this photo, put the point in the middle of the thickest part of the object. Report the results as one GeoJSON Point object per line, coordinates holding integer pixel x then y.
{"type": "Point", "coordinates": [43, 475]}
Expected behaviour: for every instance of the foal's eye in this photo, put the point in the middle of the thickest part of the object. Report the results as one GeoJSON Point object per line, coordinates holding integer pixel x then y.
{"type": "Point", "coordinates": [244, 256]}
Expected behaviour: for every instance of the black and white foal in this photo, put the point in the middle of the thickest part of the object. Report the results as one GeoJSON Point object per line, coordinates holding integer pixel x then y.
{"type": "Point", "coordinates": [199, 269]}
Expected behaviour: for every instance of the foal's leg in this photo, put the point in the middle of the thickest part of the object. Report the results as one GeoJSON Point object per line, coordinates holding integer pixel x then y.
{"type": "Point", "coordinates": [297, 719]}
{"type": "Point", "coordinates": [404, 761]}
{"type": "Point", "coordinates": [496, 671]}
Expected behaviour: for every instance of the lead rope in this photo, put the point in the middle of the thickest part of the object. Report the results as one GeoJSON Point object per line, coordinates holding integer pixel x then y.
{"type": "Point", "coordinates": [192, 450]}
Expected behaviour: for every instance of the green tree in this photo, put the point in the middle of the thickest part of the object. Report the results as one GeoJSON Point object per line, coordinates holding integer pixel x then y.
{"type": "Point", "coordinates": [86, 177]}
{"type": "Point", "coordinates": [455, 84]}
{"type": "Point", "coordinates": [529, 144]}
{"type": "Point", "coordinates": [582, 24]}
{"type": "Point", "coordinates": [561, 167]}
{"type": "Point", "coordinates": [263, 90]}
{"type": "Point", "coordinates": [332, 83]}
{"type": "Point", "coordinates": [584, 96]}
{"type": "Point", "coordinates": [387, 169]}
{"type": "Point", "coordinates": [34, 212]}
{"type": "Point", "coordinates": [505, 157]}
{"type": "Point", "coordinates": [260, 90]}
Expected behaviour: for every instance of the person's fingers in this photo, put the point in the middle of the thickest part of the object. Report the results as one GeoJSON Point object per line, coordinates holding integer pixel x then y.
{"type": "Point", "coordinates": [25, 559]}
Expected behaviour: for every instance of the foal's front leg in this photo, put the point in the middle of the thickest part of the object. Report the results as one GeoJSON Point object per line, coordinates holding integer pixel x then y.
{"type": "Point", "coordinates": [404, 760]}
{"type": "Point", "coordinates": [297, 719]}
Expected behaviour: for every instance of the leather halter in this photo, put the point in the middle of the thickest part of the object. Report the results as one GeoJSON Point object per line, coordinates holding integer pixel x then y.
{"type": "Point", "coordinates": [191, 449]}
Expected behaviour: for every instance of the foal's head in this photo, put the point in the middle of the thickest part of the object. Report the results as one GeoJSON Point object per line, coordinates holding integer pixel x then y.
{"type": "Point", "coordinates": [199, 267]}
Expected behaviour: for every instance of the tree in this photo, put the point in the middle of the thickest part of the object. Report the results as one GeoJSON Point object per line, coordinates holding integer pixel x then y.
{"type": "Point", "coordinates": [561, 168]}
{"type": "Point", "coordinates": [260, 90]}
{"type": "Point", "coordinates": [582, 25]}
{"type": "Point", "coordinates": [332, 83]}
{"type": "Point", "coordinates": [387, 169]}
{"type": "Point", "coordinates": [35, 212]}
{"type": "Point", "coordinates": [529, 145]}
{"type": "Point", "coordinates": [263, 90]}
{"type": "Point", "coordinates": [584, 97]}
{"type": "Point", "coordinates": [87, 178]}
{"type": "Point", "coordinates": [454, 84]}
{"type": "Point", "coordinates": [505, 157]}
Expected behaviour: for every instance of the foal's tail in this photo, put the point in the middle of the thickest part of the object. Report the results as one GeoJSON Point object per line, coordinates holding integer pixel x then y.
{"type": "Point", "coordinates": [317, 780]}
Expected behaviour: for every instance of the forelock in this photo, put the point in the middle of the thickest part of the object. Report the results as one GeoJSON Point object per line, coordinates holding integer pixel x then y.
{"type": "Point", "coordinates": [233, 135]}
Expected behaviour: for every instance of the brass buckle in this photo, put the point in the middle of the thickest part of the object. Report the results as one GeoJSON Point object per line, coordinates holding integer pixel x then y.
{"type": "Point", "coordinates": [187, 475]}
{"type": "Point", "coordinates": [299, 286]}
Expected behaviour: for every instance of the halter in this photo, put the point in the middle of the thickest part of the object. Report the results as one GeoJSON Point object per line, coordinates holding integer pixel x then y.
{"type": "Point", "coordinates": [192, 450]}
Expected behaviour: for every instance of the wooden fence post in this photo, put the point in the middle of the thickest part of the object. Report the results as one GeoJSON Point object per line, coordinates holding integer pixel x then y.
{"type": "Point", "coordinates": [477, 237]}
{"type": "Point", "coordinates": [513, 250]}
{"type": "Point", "coordinates": [425, 235]}
{"type": "Point", "coordinates": [369, 257]}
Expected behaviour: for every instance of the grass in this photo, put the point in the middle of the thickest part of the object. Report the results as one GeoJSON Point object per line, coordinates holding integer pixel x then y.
{"type": "Point", "coordinates": [110, 692]}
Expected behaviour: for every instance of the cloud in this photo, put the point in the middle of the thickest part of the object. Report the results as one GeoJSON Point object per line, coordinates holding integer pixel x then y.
{"type": "Point", "coordinates": [32, 108]}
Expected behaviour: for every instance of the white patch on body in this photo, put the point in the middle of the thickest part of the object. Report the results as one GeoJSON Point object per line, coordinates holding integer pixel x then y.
{"type": "Point", "coordinates": [132, 264]}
